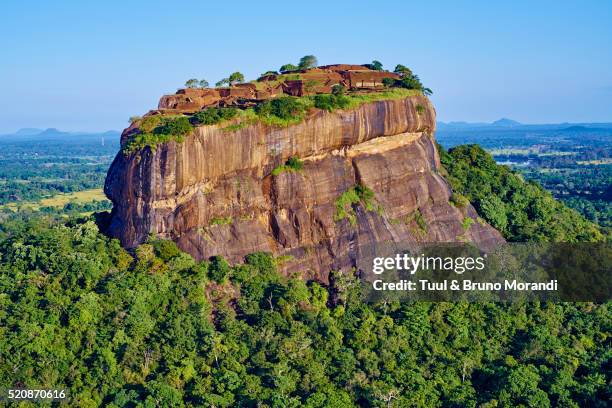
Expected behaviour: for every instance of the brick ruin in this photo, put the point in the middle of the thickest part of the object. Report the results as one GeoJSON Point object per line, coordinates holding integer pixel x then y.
{"type": "Point", "coordinates": [294, 83]}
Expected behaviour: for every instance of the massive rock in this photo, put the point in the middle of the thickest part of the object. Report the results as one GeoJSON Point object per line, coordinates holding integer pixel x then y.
{"type": "Point", "coordinates": [214, 193]}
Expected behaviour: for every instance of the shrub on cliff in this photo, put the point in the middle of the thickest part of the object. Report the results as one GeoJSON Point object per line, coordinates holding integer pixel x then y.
{"type": "Point", "coordinates": [292, 164]}
{"type": "Point", "coordinates": [358, 194]}
{"type": "Point", "coordinates": [331, 102]}
{"type": "Point", "coordinates": [212, 116]}
{"type": "Point", "coordinates": [283, 111]}
{"type": "Point", "coordinates": [154, 130]}
{"type": "Point", "coordinates": [175, 127]}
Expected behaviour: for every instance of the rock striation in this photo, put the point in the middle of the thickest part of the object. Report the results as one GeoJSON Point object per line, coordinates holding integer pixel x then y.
{"type": "Point", "coordinates": [215, 194]}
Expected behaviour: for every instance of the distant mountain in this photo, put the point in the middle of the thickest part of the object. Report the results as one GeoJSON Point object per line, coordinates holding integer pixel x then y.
{"type": "Point", "coordinates": [28, 131]}
{"type": "Point", "coordinates": [509, 124]}
{"type": "Point", "coordinates": [54, 134]}
{"type": "Point", "coordinates": [505, 122]}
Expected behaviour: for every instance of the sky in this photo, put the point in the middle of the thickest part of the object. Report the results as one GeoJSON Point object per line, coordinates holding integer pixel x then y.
{"type": "Point", "coordinates": [89, 66]}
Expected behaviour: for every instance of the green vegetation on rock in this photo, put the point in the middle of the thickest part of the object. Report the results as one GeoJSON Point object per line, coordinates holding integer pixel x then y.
{"type": "Point", "coordinates": [212, 116]}
{"type": "Point", "coordinates": [221, 220]}
{"type": "Point", "coordinates": [283, 111]}
{"type": "Point", "coordinates": [292, 164]}
{"type": "Point", "coordinates": [356, 195]}
{"type": "Point", "coordinates": [330, 102]}
{"type": "Point", "coordinates": [155, 130]}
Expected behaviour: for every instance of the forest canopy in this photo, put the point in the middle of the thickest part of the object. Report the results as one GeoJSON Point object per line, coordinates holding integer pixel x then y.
{"type": "Point", "coordinates": [156, 328]}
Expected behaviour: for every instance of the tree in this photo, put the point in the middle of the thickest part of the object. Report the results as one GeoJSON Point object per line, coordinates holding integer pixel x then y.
{"type": "Point", "coordinates": [375, 65]}
{"type": "Point", "coordinates": [402, 70]}
{"type": "Point", "coordinates": [203, 83]}
{"type": "Point", "coordinates": [288, 67]}
{"type": "Point", "coordinates": [308, 61]}
{"type": "Point", "coordinates": [338, 89]}
{"type": "Point", "coordinates": [236, 78]}
{"type": "Point", "coordinates": [192, 83]}
{"type": "Point", "coordinates": [219, 269]}
{"type": "Point", "coordinates": [388, 82]}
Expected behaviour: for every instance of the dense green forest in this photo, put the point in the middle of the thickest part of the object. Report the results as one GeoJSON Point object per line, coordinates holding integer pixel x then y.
{"type": "Point", "coordinates": [574, 163]}
{"type": "Point", "coordinates": [521, 211]}
{"type": "Point", "coordinates": [155, 328]}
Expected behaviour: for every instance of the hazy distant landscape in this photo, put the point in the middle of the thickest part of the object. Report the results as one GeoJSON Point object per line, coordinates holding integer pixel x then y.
{"type": "Point", "coordinates": [54, 171]}
{"type": "Point", "coordinates": [573, 161]}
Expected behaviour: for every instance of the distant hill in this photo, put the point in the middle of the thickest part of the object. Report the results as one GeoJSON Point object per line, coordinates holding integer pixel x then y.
{"type": "Point", "coordinates": [29, 131]}
{"type": "Point", "coordinates": [25, 134]}
{"type": "Point", "coordinates": [505, 122]}
{"type": "Point", "coordinates": [52, 132]}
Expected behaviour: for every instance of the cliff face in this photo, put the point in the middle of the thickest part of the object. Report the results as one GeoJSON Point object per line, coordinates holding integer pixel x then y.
{"type": "Point", "coordinates": [214, 193]}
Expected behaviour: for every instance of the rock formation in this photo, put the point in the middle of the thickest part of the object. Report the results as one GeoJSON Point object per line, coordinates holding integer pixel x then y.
{"type": "Point", "coordinates": [214, 193]}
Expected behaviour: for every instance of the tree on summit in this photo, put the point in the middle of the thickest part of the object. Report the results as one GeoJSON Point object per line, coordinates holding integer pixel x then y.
{"type": "Point", "coordinates": [402, 70]}
{"type": "Point", "coordinates": [308, 61]}
{"type": "Point", "coordinates": [233, 79]}
{"type": "Point", "coordinates": [288, 67]}
{"type": "Point", "coordinates": [195, 83]}
{"type": "Point", "coordinates": [407, 80]}
{"type": "Point", "coordinates": [192, 83]}
{"type": "Point", "coordinates": [375, 65]}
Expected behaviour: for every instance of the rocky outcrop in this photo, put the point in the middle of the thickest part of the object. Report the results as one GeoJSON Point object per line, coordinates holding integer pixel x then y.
{"type": "Point", "coordinates": [214, 193]}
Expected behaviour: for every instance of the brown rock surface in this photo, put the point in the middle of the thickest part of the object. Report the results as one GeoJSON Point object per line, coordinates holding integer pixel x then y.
{"type": "Point", "coordinates": [214, 193]}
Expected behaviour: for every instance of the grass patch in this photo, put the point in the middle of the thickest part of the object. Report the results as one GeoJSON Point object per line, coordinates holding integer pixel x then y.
{"type": "Point", "coordinates": [459, 200]}
{"type": "Point", "coordinates": [60, 200]}
{"type": "Point", "coordinates": [467, 223]}
{"type": "Point", "coordinates": [356, 195]}
{"type": "Point", "coordinates": [280, 260]}
{"type": "Point", "coordinates": [292, 164]}
{"type": "Point", "coordinates": [221, 221]}
{"type": "Point", "coordinates": [417, 217]}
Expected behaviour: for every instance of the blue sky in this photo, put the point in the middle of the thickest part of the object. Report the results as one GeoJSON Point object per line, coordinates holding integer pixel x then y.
{"type": "Point", "coordinates": [90, 65]}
